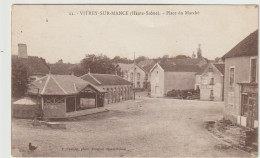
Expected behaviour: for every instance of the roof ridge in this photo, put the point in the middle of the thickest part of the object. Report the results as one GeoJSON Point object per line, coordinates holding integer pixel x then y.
{"type": "Point", "coordinates": [95, 79]}
{"type": "Point", "coordinates": [59, 85]}
{"type": "Point", "coordinates": [45, 85]}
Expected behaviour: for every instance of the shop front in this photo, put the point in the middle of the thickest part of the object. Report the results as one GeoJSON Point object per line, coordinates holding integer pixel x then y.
{"type": "Point", "coordinates": [249, 105]}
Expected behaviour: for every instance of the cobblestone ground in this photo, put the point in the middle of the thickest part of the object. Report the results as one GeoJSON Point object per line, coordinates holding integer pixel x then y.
{"type": "Point", "coordinates": [144, 127]}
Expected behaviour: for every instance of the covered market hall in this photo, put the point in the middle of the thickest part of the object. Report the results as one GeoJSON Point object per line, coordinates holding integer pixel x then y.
{"type": "Point", "coordinates": [61, 96]}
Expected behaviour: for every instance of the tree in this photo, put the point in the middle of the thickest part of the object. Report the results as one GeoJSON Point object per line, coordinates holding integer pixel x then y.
{"type": "Point", "coordinates": [181, 57]}
{"type": "Point", "coordinates": [19, 78]}
{"type": "Point", "coordinates": [140, 58]}
{"type": "Point", "coordinates": [118, 59]}
{"type": "Point", "coordinates": [96, 64]}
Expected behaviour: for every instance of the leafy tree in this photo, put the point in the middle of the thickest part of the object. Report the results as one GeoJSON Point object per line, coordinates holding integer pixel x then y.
{"type": "Point", "coordinates": [140, 58]}
{"type": "Point", "coordinates": [118, 59]}
{"type": "Point", "coordinates": [181, 57]}
{"type": "Point", "coordinates": [19, 78]}
{"type": "Point", "coordinates": [96, 64]}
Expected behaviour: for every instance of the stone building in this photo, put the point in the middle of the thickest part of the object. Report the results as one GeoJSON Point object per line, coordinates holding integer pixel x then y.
{"type": "Point", "coordinates": [241, 82]}
{"type": "Point", "coordinates": [166, 77]}
{"type": "Point", "coordinates": [212, 82]}
{"type": "Point", "coordinates": [117, 88]}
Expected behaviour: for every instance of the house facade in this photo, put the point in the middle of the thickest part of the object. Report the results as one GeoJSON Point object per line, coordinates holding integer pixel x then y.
{"type": "Point", "coordinates": [166, 77]}
{"type": "Point", "coordinates": [138, 76]}
{"type": "Point", "coordinates": [61, 96]}
{"type": "Point", "coordinates": [212, 82]}
{"type": "Point", "coordinates": [117, 88]}
{"type": "Point", "coordinates": [241, 82]}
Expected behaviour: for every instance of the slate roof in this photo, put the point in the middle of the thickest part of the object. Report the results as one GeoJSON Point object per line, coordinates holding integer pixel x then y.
{"type": "Point", "coordinates": [180, 68]}
{"type": "Point", "coordinates": [59, 85]}
{"type": "Point", "coordinates": [247, 47]}
{"type": "Point", "coordinates": [34, 64]}
{"type": "Point", "coordinates": [105, 79]}
{"type": "Point", "coordinates": [220, 67]}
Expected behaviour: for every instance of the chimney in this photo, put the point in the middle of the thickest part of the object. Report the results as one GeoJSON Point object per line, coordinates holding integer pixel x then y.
{"type": "Point", "coordinates": [22, 50]}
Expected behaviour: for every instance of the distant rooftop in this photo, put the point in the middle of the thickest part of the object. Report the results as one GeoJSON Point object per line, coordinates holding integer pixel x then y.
{"type": "Point", "coordinates": [105, 79]}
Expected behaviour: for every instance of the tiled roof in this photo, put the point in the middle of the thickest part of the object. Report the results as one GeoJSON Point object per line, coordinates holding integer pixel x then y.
{"type": "Point", "coordinates": [105, 79]}
{"type": "Point", "coordinates": [35, 65]}
{"type": "Point", "coordinates": [59, 85]}
{"type": "Point", "coordinates": [186, 61]}
{"type": "Point", "coordinates": [147, 68]}
{"type": "Point", "coordinates": [220, 67]}
{"type": "Point", "coordinates": [202, 69]}
{"type": "Point", "coordinates": [247, 47]}
{"type": "Point", "coordinates": [180, 68]}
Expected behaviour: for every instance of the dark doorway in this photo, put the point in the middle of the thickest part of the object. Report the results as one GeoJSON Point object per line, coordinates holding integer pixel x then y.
{"type": "Point", "coordinates": [70, 104]}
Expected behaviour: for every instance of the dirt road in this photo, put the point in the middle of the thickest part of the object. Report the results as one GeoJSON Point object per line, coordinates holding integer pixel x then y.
{"type": "Point", "coordinates": [144, 127]}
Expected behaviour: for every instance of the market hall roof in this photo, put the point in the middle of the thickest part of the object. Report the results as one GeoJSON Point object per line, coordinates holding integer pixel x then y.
{"type": "Point", "coordinates": [247, 47]}
{"type": "Point", "coordinates": [105, 79]}
{"type": "Point", "coordinates": [59, 85]}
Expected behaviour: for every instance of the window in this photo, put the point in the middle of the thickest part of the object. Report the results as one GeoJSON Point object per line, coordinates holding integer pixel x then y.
{"type": "Point", "coordinates": [131, 77]}
{"type": "Point", "coordinates": [253, 70]}
{"type": "Point", "coordinates": [231, 76]}
{"type": "Point", "coordinates": [138, 76]}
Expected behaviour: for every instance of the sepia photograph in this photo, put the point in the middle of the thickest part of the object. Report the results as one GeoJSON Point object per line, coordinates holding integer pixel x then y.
{"type": "Point", "coordinates": [134, 80]}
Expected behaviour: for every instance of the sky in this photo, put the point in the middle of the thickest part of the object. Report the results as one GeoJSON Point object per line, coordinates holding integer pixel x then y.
{"type": "Point", "coordinates": [50, 32]}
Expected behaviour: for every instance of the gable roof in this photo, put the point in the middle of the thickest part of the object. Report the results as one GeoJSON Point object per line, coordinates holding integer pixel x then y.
{"type": "Point", "coordinates": [105, 79]}
{"type": "Point", "coordinates": [202, 69]}
{"type": "Point", "coordinates": [59, 85]}
{"type": "Point", "coordinates": [180, 68]}
{"type": "Point", "coordinates": [147, 68]}
{"type": "Point", "coordinates": [247, 47]}
{"type": "Point", "coordinates": [221, 68]}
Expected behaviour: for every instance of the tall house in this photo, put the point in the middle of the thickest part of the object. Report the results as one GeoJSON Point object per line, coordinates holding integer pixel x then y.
{"type": "Point", "coordinates": [241, 82]}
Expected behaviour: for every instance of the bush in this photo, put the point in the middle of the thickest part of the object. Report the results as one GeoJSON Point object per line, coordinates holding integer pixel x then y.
{"type": "Point", "coordinates": [184, 94]}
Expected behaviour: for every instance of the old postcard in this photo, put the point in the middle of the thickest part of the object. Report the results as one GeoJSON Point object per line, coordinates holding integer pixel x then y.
{"type": "Point", "coordinates": [134, 81]}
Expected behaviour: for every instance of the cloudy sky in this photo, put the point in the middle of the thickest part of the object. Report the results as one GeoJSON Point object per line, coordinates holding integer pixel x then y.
{"type": "Point", "coordinates": [50, 32]}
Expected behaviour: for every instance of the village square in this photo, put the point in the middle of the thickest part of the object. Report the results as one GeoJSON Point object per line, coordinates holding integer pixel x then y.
{"type": "Point", "coordinates": [168, 108]}
{"type": "Point", "coordinates": [188, 100]}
